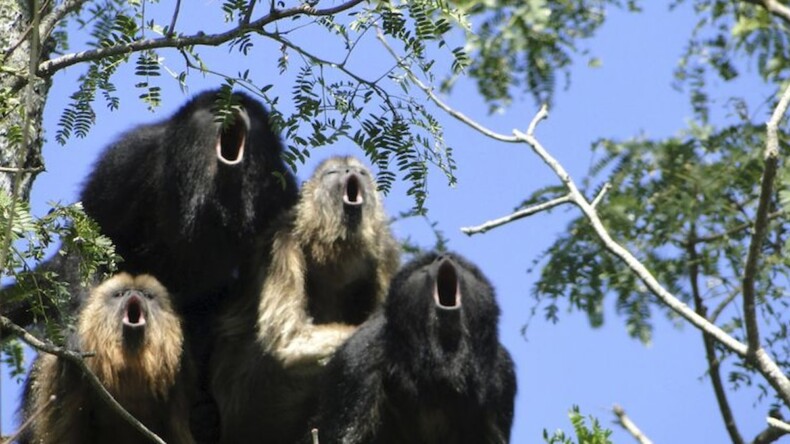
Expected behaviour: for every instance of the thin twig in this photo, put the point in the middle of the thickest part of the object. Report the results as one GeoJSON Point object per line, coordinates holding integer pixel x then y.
{"type": "Point", "coordinates": [248, 13]}
{"type": "Point", "coordinates": [607, 186]}
{"type": "Point", "coordinates": [629, 425]}
{"type": "Point", "coordinates": [446, 108]}
{"type": "Point", "coordinates": [714, 365]}
{"type": "Point", "coordinates": [37, 169]}
{"type": "Point", "coordinates": [77, 359]}
{"type": "Point", "coordinates": [171, 31]}
{"type": "Point", "coordinates": [520, 214]}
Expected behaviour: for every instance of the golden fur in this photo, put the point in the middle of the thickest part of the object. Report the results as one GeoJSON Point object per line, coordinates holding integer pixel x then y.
{"type": "Point", "coordinates": [317, 242]}
{"type": "Point", "coordinates": [146, 381]}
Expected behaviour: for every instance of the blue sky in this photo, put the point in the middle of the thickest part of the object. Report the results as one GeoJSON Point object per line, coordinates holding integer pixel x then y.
{"type": "Point", "coordinates": [662, 387]}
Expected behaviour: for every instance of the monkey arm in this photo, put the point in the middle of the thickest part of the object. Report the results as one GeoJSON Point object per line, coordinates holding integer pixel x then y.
{"type": "Point", "coordinates": [284, 328]}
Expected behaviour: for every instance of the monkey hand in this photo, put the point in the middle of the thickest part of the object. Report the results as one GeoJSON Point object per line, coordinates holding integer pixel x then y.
{"type": "Point", "coordinates": [314, 346]}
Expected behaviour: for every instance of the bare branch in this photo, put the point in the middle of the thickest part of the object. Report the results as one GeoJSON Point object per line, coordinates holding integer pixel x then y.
{"type": "Point", "coordinates": [607, 186]}
{"type": "Point", "coordinates": [771, 156]}
{"type": "Point", "coordinates": [435, 99]}
{"type": "Point", "coordinates": [77, 359]}
{"type": "Point", "coordinates": [520, 214]}
{"type": "Point", "coordinates": [629, 425]}
{"type": "Point", "coordinates": [714, 365]}
{"type": "Point", "coordinates": [49, 67]}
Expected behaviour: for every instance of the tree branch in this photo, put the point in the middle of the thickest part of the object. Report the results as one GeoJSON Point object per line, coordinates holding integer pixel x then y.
{"type": "Point", "coordinates": [49, 67]}
{"type": "Point", "coordinates": [77, 359]}
{"type": "Point", "coordinates": [774, 7]}
{"type": "Point", "coordinates": [714, 369]}
{"type": "Point", "coordinates": [776, 429]}
{"type": "Point", "coordinates": [629, 425]}
{"type": "Point", "coordinates": [517, 215]}
{"type": "Point", "coordinates": [760, 359]}
{"type": "Point", "coordinates": [771, 156]}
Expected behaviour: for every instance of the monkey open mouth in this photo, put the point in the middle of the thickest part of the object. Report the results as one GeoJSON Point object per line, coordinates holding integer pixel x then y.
{"type": "Point", "coordinates": [447, 294]}
{"type": "Point", "coordinates": [232, 138]}
{"type": "Point", "coordinates": [134, 315]}
{"type": "Point", "coordinates": [353, 193]}
{"type": "Point", "coordinates": [134, 323]}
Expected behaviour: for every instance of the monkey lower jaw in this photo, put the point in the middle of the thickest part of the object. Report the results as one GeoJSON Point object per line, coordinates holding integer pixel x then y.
{"type": "Point", "coordinates": [133, 337]}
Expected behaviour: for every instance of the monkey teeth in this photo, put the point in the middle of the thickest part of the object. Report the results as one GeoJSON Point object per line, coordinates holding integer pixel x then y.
{"type": "Point", "coordinates": [233, 138]}
{"type": "Point", "coordinates": [352, 195]}
{"type": "Point", "coordinates": [446, 293]}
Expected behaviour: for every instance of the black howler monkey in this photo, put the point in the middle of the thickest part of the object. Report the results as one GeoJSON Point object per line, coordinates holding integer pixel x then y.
{"type": "Point", "coordinates": [429, 369]}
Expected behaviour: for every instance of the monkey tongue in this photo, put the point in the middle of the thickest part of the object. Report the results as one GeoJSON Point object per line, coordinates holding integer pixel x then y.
{"type": "Point", "coordinates": [134, 315]}
{"type": "Point", "coordinates": [446, 293]}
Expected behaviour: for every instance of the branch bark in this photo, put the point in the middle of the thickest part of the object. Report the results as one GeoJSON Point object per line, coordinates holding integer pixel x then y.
{"type": "Point", "coordinates": [629, 425]}
{"type": "Point", "coordinates": [714, 370]}
{"type": "Point", "coordinates": [49, 67]}
{"type": "Point", "coordinates": [78, 360]}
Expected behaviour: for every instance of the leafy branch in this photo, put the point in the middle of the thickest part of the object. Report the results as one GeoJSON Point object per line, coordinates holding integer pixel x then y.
{"type": "Point", "coordinates": [754, 355]}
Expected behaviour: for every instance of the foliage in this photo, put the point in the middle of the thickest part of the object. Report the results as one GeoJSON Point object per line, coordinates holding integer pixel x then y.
{"type": "Point", "coordinates": [522, 46]}
{"type": "Point", "coordinates": [31, 240]}
{"type": "Point", "coordinates": [594, 434]}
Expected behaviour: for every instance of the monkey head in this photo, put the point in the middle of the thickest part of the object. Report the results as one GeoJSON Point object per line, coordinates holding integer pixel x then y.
{"type": "Point", "coordinates": [130, 326]}
{"type": "Point", "coordinates": [340, 201]}
{"type": "Point", "coordinates": [442, 305]}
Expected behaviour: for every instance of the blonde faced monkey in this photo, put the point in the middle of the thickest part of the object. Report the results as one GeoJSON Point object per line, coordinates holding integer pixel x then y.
{"type": "Point", "coordinates": [328, 269]}
{"type": "Point", "coordinates": [130, 326]}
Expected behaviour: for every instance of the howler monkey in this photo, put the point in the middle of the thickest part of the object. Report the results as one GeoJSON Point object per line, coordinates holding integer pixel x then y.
{"type": "Point", "coordinates": [187, 199]}
{"type": "Point", "coordinates": [130, 326]}
{"type": "Point", "coordinates": [329, 266]}
{"type": "Point", "coordinates": [184, 199]}
{"type": "Point", "coordinates": [429, 369]}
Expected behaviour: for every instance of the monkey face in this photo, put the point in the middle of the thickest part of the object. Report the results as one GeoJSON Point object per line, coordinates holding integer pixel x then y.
{"type": "Point", "coordinates": [441, 299]}
{"type": "Point", "coordinates": [126, 309]}
{"type": "Point", "coordinates": [346, 188]}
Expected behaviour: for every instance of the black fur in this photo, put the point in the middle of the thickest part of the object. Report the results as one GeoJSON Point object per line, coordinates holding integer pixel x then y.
{"type": "Point", "coordinates": [419, 373]}
{"type": "Point", "coordinates": [175, 211]}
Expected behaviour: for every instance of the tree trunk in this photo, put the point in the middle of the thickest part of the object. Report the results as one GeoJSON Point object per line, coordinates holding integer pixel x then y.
{"type": "Point", "coordinates": [20, 162]}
